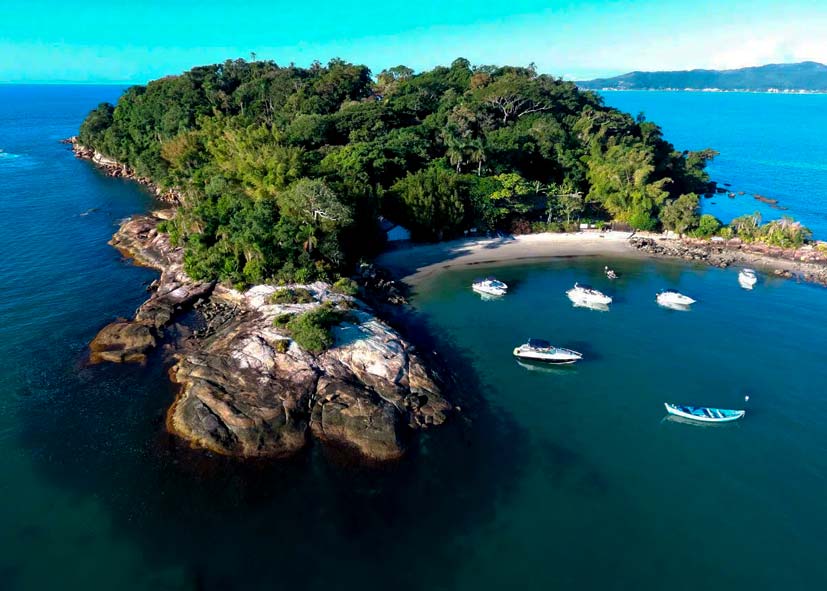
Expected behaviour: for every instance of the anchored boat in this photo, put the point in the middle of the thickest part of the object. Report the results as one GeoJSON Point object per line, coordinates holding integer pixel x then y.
{"type": "Point", "coordinates": [586, 295]}
{"type": "Point", "coordinates": [670, 298]}
{"type": "Point", "coordinates": [747, 278]}
{"type": "Point", "coordinates": [540, 350]}
{"type": "Point", "coordinates": [490, 286]}
{"type": "Point", "coordinates": [703, 413]}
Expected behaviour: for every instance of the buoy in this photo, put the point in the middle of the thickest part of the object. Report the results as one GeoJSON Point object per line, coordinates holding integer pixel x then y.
{"type": "Point", "coordinates": [746, 398]}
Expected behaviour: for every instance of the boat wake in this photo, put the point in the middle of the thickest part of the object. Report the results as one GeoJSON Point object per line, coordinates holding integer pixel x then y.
{"type": "Point", "coordinates": [8, 155]}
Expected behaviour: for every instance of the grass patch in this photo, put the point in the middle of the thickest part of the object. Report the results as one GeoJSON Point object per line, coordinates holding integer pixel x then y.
{"type": "Point", "coordinates": [311, 330]}
{"type": "Point", "coordinates": [297, 295]}
{"type": "Point", "coordinates": [345, 286]}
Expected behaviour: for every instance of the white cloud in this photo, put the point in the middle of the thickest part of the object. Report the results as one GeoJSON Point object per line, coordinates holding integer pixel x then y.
{"type": "Point", "coordinates": [796, 43]}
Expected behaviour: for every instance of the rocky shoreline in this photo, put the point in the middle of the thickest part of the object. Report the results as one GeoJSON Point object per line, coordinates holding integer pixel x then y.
{"type": "Point", "coordinates": [246, 389]}
{"type": "Point", "coordinates": [808, 263]}
{"type": "Point", "coordinates": [116, 169]}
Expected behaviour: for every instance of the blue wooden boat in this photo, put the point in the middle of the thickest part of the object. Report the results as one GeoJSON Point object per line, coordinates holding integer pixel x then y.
{"type": "Point", "coordinates": [704, 413]}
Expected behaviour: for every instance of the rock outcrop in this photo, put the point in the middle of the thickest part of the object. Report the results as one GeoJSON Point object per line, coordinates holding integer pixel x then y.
{"type": "Point", "coordinates": [174, 292]}
{"type": "Point", "coordinates": [808, 263]}
{"type": "Point", "coordinates": [116, 169]}
{"type": "Point", "coordinates": [247, 389]}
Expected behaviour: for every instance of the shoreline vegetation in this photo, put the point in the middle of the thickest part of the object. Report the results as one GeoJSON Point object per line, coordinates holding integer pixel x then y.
{"type": "Point", "coordinates": [283, 172]}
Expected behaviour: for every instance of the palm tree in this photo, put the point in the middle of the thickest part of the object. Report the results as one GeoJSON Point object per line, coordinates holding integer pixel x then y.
{"type": "Point", "coordinates": [455, 151]}
{"type": "Point", "coordinates": [476, 154]}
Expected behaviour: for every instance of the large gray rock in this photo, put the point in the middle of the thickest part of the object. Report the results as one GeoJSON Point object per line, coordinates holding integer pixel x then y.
{"type": "Point", "coordinates": [247, 390]}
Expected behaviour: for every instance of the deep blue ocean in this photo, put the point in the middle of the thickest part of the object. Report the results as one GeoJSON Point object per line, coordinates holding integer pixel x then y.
{"type": "Point", "coordinates": [770, 144]}
{"type": "Point", "coordinates": [557, 480]}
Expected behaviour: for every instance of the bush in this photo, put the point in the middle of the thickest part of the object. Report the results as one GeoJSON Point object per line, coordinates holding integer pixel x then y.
{"type": "Point", "coordinates": [726, 233]}
{"type": "Point", "coordinates": [520, 226]}
{"type": "Point", "coordinates": [641, 220]}
{"type": "Point", "coordinates": [282, 345]}
{"type": "Point", "coordinates": [311, 330]}
{"type": "Point", "coordinates": [708, 226]}
{"type": "Point", "coordinates": [345, 286]}
{"type": "Point", "coordinates": [785, 232]}
{"type": "Point", "coordinates": [282, 320]}
{"type": "Point", "coordinates": [297, 295]}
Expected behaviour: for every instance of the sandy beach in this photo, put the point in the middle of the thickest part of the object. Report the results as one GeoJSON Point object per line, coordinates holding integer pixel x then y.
{"type": "Point", "coordinates": [414, 263]}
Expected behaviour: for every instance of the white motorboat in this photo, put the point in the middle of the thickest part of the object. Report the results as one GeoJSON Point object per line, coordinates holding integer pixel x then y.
{"type": "Point", "coordinates": [490, 286]}
{"type": "Point", "coordinates": [539, 350]}
{"type": "Point", "coordinates": [610, 272]}
{"type": "Point", "coordinates": [671, 298]}
{"type": "Point", "coordinates": [747, 278]}
{"type": "Point", "coordinates": [585, 295]}
{"type": "Point", "coordinates": [704, 413]}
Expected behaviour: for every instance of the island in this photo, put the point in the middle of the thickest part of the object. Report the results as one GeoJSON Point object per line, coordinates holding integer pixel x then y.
{"type": "Point", "coordinates": [283, 183]}
{"type": "Point", "coordinates": [803, 77]}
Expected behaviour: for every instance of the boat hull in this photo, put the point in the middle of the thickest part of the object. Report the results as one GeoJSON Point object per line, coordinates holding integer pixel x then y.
{"type": "Point", "coordinates": [678, 412]}
{"type": "Point", "coordinates": [674, 299]}
{"type": "Point", "coordinates": [588, 300]}
{"type": "Point", "coordinates": [489, 291]}
{"type": "Point", "coordinates": [550, 359]}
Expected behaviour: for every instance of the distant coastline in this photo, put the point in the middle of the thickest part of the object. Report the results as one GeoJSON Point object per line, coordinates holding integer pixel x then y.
{"type": "Point", "coordinates": [800, 78]}
{"type": "Point", "coordinates": [713, 90]}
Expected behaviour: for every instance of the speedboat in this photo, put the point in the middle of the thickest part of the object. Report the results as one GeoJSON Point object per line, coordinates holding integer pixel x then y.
{"type": "Point", "coordinates": [703, 413]}
{"type": "Point", "coordinates": [586, 295]}
{"type": "Point", "coordinates": [747, 278]}
{"type": "Point", "coordinates": [539, 350]}
{"type": "Point", "coordinates": [490, 286]}
{"type": "Point", "coordinates": [670, 298]}
{"type": "Point", "coordinates": [610, 273]}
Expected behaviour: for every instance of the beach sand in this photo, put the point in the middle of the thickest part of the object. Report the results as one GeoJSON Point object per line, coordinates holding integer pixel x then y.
{"type": "Point", "coordinates": [414, 263]}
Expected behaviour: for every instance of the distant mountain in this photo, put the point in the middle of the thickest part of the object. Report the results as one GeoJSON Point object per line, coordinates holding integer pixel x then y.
{"type": "Point", "coordinates": [801, 77]}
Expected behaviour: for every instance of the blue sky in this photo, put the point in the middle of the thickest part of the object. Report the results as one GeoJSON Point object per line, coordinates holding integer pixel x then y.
{"type": "Point", "coordinates": [135, 41]}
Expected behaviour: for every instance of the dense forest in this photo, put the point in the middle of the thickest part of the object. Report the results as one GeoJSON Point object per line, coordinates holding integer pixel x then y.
{"type": "Point", "coordinates": [285, 170]}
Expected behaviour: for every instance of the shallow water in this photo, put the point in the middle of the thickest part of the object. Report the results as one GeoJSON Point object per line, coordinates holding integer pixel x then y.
{"type": "Point", "coordinates": [544, 480]}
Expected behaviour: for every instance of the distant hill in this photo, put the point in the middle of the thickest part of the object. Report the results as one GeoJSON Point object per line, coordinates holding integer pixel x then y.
{"type": "Point", "coordinates": [804, 76]}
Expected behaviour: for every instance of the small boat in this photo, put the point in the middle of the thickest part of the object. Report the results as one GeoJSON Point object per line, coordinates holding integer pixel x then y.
{"type": "Point", "coordinates": [490, 286]}
{"type": "Point", "coordinates": [747, 278]}
{"type": "Point", "coordinates": [540, 350]}
{"type": "Point", "coordinates": [670, 297]}
{"type": "Point", "coordinates": [703, 413]}
{"type": "Point", "coordinates": [610, 273]}
{"type": "Point", "coordinates": [586, 295]}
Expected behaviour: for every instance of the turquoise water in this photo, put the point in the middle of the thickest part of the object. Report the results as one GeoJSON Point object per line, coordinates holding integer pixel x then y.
{"type": "Point", "coordinates": [545, 480]}
{"type": "Point", "coordinates": [616, 495]}
{"type": "Point", "coordinates": [769, 144]}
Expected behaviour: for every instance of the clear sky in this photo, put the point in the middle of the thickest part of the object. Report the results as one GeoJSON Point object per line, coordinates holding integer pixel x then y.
{"type": "Point", "coordinates": [137, 40]}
